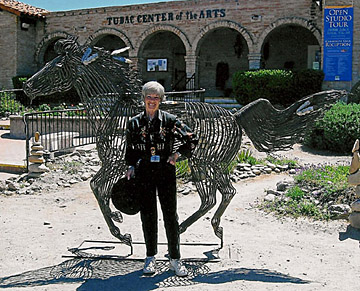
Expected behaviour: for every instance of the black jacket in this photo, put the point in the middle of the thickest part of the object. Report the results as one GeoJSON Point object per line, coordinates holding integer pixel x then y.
{"type": "Point", "coordinates": [161, 136]}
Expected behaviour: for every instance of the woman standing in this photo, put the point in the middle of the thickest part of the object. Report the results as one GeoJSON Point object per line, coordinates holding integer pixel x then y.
{"type": "Point", "coordinates": [151, 156]}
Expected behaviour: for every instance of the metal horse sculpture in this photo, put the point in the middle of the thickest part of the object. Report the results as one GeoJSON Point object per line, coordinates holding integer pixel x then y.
{"type": "Point", "coordinates": [111, 95]}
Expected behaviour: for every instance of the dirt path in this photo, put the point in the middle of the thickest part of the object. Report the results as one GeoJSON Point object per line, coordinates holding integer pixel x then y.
{"type": "Point", "coordinates": [261, 252]}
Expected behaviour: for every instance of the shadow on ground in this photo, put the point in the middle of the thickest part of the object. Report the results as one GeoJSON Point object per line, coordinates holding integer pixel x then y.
{"type": "Point", "coordinates": [351, 232]}
{"type": "Point", "coordinates": [325, 153]}
{"type": "Point", "coordinates": [110, 274]}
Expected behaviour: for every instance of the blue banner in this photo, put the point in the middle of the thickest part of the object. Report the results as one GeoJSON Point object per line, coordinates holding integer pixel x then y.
{"type": "Point", "coordinates": [338, 43]}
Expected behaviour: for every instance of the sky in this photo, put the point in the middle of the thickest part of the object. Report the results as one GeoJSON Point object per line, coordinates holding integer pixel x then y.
{"type": "Point", "coordinates": [62, 5]}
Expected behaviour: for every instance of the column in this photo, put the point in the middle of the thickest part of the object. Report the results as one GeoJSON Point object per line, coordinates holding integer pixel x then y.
{"type": "Point", "coordinates": [254, 61]}
{"type": "Point", "coordinates": [191, 69]}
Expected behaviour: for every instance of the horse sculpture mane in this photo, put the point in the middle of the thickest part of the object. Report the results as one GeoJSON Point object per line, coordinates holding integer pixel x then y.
{"type": "Point", "coordinates": [110, 91]}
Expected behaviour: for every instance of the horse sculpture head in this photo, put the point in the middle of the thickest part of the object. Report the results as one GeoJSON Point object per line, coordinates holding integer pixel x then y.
{"type": "Point", "coordinates": [91, 70]}
{"type": "Point", "coordinates": [59, 74]}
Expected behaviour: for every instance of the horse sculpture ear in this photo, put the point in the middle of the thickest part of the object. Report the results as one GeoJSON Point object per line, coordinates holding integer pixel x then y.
{"type": "Point", "coordinates": [88, 58]}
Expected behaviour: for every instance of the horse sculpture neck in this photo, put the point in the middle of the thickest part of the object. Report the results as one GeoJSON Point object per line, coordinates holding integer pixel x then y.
{"type": "Point", "coordinates": [102, 90]}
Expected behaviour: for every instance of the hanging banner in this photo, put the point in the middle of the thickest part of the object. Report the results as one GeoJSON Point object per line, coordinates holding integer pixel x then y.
{"type": "Point", "coordinates": [338, 42]}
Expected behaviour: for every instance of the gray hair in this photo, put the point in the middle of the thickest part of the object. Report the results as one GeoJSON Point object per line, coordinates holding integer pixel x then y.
{"type": "Point", "coordinates": [153, 87]}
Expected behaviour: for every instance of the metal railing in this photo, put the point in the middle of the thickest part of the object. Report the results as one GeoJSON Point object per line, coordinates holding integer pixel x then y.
{"type": "Point", "coordinates": [186, 96]}
{"type": "Point", "coordinates": [60, 130]}
{"type": "Point", "coordinates": [63, 130]}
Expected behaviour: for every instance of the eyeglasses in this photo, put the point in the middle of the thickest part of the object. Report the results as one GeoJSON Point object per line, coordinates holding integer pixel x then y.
{"type": "Point", "coordinates": [154, 98]}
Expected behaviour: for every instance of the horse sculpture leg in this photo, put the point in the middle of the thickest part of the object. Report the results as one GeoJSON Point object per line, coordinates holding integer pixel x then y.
{"type": "Point", "coordinates": [101, 186]}
{"type": "Point", "coordinates": [227, 191]}
{"type": "Point", "coordinates": [206, 188]}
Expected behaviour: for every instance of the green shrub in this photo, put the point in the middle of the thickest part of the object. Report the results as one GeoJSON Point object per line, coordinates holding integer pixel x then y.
{"type": "Point", "coordinates": [295, 193]}
{"type": "Point", "coordinates": [278, 86]}
{"type": "Point", "coordinates": [331, 183]}
{"type": "Point", "coordinates": [9, 104]}
{"type": "Point", "coordinates": [305, 82]}
{"type": "Point", "coordinates": [269, 84]}
{"type": "Point", "coordinates": [337, 130]}
{"type": "Point", "coordinates": [18, 82]}
{"type": "Point", "coordinates": [183, 169]}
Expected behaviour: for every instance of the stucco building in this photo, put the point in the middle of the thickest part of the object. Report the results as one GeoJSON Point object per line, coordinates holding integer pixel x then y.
{"type": "Point", "coordinates": [182, 44]}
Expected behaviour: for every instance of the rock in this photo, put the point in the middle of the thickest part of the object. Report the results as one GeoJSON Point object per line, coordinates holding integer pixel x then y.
{"type": "Point", "coordinates": [357, 191]}
{"type": "Point", "coordinates": [243, 165]}
{"type": "Point", "coordinates": [12, 186]}
{"type": "Point", "coordinates": [271, 166]}
{"type": "Point", "coordinates": [339, 211]}
{"type": "Point", "coordinates": [85, 176]}
{"type": "Point", "coordinates": [36, 159]}
{"type": "Point", "coordinates": [237, 172]}
{"type": "Point", "coordinates": [316, 193]}
{"type": "Point", "coordinates": [274, 192]}
{"type": "Point", "coordinates": [355, 206]}
{"type": "Point", "coordinates": [354, 219]}
{"type": "Point", "coordinates": [256, 171]}
{"type": "Point", "coordinates": [270, 198]}
{"type": "Point", "coordinates": [37, 153]}
{"type": "Point", "coordinates": [258, 166]}
{"type": "Point", "coordinates": [37, 148]}
{"type": "Point", "coordinates": [35, 174]}
{"type": "Point", "coordinates": [2, 186]}
{"type": "Point", "coordinates": [268, 170]}
{"type": "Point", "coordinates": [186, 191]}
{"type": "Point", "coordinates": [283, 167]}
{"type": "Point", "coordinates": [283, 185]}
{"type": "Point", "coordinates": [292, 172]}
{"type": "Point", "coordinates": [38, 168]}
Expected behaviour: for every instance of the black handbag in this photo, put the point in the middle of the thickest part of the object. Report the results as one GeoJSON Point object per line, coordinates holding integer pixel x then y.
{"type": "Point", "coordinates": [125, 195]}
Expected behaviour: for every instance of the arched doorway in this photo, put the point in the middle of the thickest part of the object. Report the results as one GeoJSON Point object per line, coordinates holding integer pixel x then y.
{"type": "Point", "coordinates": [162, 59]}
{"type": "Point", "coordinates": [110, 42]}
{"type": "Point", "coordinates": [222, 52]}
{"type": "Point", "coordinates": [49, 53]}
{"type": "Point", "coordinates": [290, 46]}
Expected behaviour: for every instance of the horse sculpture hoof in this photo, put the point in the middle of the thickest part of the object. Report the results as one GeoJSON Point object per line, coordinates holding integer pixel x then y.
{"type": "Point", "coordinates": [117, 216]}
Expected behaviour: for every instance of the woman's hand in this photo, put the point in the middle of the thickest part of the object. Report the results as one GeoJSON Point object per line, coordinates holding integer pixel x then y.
{"type": "Point", "coordinates": [130, 173]}
{"type": "Point", "coordinates": [172, 159]}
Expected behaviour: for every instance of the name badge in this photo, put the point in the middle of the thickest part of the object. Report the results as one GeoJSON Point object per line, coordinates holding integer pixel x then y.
{"type": "Point", "coordinates": [155, 159]}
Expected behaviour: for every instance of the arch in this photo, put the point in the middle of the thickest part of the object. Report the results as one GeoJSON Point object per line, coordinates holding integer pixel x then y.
{"type": "Point", "coordinates": [42, 46]}
{"type": "Point", "coordinates": [163, 27]}
{"type": "Point", "coordinates": [97, 34]}
{"type": "Point", "coordinates": [289, 20]}
{"type": "Point", "coordinates": [225, 24]}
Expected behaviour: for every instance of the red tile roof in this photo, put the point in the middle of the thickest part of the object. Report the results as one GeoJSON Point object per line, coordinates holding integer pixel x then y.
{"type": "Point", "coordinates": [20, 8]}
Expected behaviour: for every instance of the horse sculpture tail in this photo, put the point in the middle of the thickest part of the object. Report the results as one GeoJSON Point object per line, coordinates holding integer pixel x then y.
{"type": "Point", "coordinates": [271, 129]}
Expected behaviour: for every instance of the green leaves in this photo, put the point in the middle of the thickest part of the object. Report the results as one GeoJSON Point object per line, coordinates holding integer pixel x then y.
{"type": "Point", "coordinates": [278, 86]}
{"type": "Point", "coordinates": [337, 130]}
{"type": "Point", "coordinates": [9, 104]}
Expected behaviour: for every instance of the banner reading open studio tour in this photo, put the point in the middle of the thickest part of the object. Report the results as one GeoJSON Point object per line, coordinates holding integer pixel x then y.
{"type": "Point", "coordinates": [338, 43]}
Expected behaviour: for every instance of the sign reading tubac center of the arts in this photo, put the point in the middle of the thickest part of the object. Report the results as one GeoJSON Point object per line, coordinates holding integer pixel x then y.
{"type": "Point", "coordinates": [338, 43]}
{"type": "Point", "coordinates": [166, 16]}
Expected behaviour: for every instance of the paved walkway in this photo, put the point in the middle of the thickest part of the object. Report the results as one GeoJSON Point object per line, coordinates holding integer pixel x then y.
{"type": "Point", "coordinates": [12, 152]}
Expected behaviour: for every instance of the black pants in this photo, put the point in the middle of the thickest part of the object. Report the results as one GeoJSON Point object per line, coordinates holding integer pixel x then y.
{"type": "Point", "coordinates": [160, 178]}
